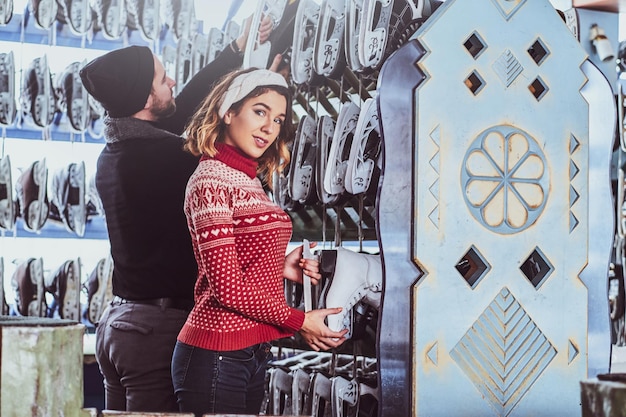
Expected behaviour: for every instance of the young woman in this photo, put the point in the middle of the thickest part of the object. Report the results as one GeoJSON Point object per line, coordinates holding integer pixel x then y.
{"type": "Point", "coordinates": [240, 240]}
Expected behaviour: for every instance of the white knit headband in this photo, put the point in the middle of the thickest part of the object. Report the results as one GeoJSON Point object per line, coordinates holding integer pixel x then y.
{"type": "Point", "coordinates": [243, 84]}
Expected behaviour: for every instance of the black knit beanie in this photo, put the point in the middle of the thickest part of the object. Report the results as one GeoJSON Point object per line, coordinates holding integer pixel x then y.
{"type": "Point", "coordinates": [121, 80]}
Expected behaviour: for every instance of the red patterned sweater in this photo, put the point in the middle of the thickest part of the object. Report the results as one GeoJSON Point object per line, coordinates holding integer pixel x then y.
{"type": "Point", "coordinates": [240, 239]}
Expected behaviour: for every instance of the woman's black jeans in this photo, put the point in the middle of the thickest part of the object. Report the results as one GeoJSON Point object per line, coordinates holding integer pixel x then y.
{"type": "Point", "coordinates": [207, 381]}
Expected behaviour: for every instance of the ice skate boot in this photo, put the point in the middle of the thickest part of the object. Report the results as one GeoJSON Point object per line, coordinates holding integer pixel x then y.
{"type": "Point", "coordinates": [96, 113]}
{"type": "Point", "coordinates": [44, 11]}
{"type": "Point", "coordinates": [32, 197]}
{"type": "Point", "coordinates": [334, 177]}
{"type": "Point", "coordinates": [8, 109]}
{"type": "Point", "coordinates": [354, 13]}
{"type": "Point", "coordinates": [281, 192]}
{"type": "Point", "coordinates": [232, 30]}
{"type": "Point", "coordinates": [325, 132]}
{"type": "Point", "coordinates": [257, 54]}
{"type": "Point", "coordinates": [73, 97]}
{"type": "Point", "coordinates": [77, 14]}
{"type": "Point", "coordinates": [302, 177]}
{"type": "Point", "coordinates": [351, 277]}
{"type": "Point", "coordinates": [111, 17]}
{"type": "Point", "coordinates": [64, 285]}
{"type": "Point", "coordinates": [345, 394]}
{"type": "Point", "coordinates": [6, 11]}
{"type": "Point", "coordinates": [184, 23]}
{"type": "Point", "coordinates": [215, 44]}
{"type": "Point", "coordinates": [8, 211]}
{"type": "Point", "coordinates": [388, 24]}
{"type": "Point", "coordinates": [99, 288]}
{"type": "Point", "coordinates": [145, 16]}
{"type": "Point", "coordinates": [305, 28]}
{"type": "Point", "coordinates": [329, 57]}
{"type": "Point", "coordinates": [364, 160]}
{"type": "Point", "coordinates": [27, 282]}
{"type": "Point", "coordinates": [39, 103]}
{"type": "Point", "coordinates": [184, 52]}
{"type": "Point", "coordinates": [94, 202]}
{"type": "Point", "coordinates": [68, 203]}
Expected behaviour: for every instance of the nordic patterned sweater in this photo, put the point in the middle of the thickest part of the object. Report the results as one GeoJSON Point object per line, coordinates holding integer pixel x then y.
{"type": "Point", "coordinates": [240, 239]}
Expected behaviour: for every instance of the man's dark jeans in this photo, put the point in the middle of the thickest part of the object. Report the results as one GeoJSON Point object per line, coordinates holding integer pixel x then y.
{"type": "Point", "coordinates": [134, 346]}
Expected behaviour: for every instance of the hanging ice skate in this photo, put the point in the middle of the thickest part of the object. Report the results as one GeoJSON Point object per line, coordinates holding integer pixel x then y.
{"type": "Point", "coordinates": [257, 54]}
{"type": "Point", "coordinates": [64, 285]}
{"type": "Point", "coordinates": [111, 17]}
{"type": "Point", "coordinates": [301, 175]}
{"type": "Point", "coordinates": [73, 99]}
{"type": "Point", "coordinates": [8, 109]}
{"type": "Point", "coordinates": [31, 189]}
{"type": "Point", "coordinates": [38, 98]}
{"type": "Point", "coordinates": [44, 11]}
{"type": "Point", "coordinates": [28, 286]}
{"type": "Point", "coordinates": [8, 211]}
{"type": "Point", "coordinates": [329, 57]}
{"type": "Point", "coordinates": [303, 47]}
{"type": "Point", "coordinates": [68, 202]}
{"type": "Point", "coordinates": [99, 290]}
{"type": "Point", "coordinates": [6, 11]}
{"type": "Point", "coordinates": [77, 14]}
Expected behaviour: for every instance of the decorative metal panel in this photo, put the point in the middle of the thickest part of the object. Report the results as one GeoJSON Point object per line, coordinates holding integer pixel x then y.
{"type": "Point", "coordinates": [496, 171]}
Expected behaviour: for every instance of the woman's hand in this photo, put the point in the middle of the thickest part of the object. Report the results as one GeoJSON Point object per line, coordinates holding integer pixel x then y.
{"type": "Point", "coordinates": [316, 334]}
{"type": "Point", "coordinates": [295, 266]}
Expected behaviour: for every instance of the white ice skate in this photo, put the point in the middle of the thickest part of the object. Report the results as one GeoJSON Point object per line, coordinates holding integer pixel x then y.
{"type": "Point", "coordinates": [303, 47]}
{"type": "Point", "coordinates": [6, 11]}
{"type": "Point", "coordinates": [340, 148]}
{"type": "Point", "coordinates": [111, 17]}
{"type": "Point", "coordinates": [184, 54]}
{"type": "Point", "coordinates": [301, 178]}
{"type": "Point", "coordinates": [257, 54]}
{"type": "Point", "coordinates": [8, 109]}
{"type": "Point", "coordinates": [7, 205]}
{"type": "Point", "coordinates": [325, 133]}
{"type": "Point", "coordinates": [38, 99]}
{"type": "Point", "coordinates": [147, 17]}
{"type": "Point", "coordinates": [31, 192]}
{"type": "Point", "coordinates": [356, 277]}
{"type": "Point", "coordinates": [365, 150]}
{"type": "Point", "coordinates": [64, 285]}
{"type": "Point", "coordinates": [68, 200]}
{"type": "Point", "coordinates": [329, 58]}
{"type": "Point", "coordinates": [28, 286]}
{"type": "Point", "coordinates": [73, 97]}
{"type": "Point", "coordinates": [44, 11]}
{"type": "Point", "coordinates": [77, 15]}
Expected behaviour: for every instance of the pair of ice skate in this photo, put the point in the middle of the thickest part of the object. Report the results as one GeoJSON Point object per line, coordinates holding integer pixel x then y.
{"type": "Point", "coordinates": [332, 161]}
{"type": "Point", "coordinates": [30, 285]}
{"type": "Point", "coordinates": [68, 203]}
{"type": "Point", "coordinates": [320, 383]}
{"type": "Point", "coordinates": [358, 34]}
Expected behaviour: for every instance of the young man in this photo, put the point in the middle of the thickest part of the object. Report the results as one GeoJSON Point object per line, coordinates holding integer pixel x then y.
{"type": "Point", "coordinates": [141, 177]}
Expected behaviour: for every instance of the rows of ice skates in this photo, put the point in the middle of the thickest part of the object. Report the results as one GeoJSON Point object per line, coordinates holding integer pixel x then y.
{"type": "Point", "coordinates": [64, 197]}
{"type": "Point", "coordinates": [62, 293]}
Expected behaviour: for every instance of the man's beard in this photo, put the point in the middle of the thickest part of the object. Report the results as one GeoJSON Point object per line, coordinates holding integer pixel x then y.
{"type": "Point", "coordinates": [163, 109]}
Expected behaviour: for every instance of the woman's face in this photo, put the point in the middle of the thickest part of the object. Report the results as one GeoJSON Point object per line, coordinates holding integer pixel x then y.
{"type": "Point", "coordinates": [257, 125]}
